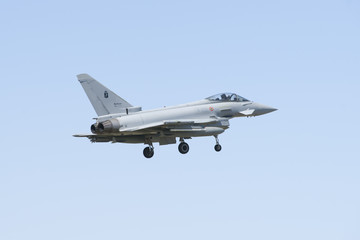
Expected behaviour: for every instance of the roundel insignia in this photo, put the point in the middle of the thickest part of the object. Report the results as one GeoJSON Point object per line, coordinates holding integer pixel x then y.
{"type": "Point", "coordinates": [106, 94]}
{"type": "Point", "coordinates": [211, 108]}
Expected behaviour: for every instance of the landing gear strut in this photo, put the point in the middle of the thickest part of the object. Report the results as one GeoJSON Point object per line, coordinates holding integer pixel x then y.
{"type": "Point", "coordinates": [183, 147]}
{"type": "Point", "coordinates": [149, 151]}
{"type": "Point", "coordinates": [217, 147]}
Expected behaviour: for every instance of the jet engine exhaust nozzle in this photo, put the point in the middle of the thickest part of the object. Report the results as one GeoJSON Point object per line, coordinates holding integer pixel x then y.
{"type": "Point", "coordinates": [94, 128]}
{"type": "Point", "coordinates": [107, 126]}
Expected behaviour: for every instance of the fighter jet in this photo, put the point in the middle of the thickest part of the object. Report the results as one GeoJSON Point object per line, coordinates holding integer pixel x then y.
{"type": "Point", "coordinates": [120, 122]}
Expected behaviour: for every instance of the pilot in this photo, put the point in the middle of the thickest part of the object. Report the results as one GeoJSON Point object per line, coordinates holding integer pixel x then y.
{"type": "Point", "coordinates": [223, 96]}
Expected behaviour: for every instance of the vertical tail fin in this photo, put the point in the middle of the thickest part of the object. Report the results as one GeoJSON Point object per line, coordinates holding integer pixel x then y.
{"type": "Point", "coordinates": [103, 99]}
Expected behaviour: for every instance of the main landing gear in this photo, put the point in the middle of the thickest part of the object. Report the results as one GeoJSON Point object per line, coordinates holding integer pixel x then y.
{"type": "Point", "coordinates": [149, 151]}
{"type": "Point", "coordinates": [183, 147]}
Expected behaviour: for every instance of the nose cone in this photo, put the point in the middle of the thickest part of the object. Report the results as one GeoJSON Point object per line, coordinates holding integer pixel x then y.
{"type": "Point", "coordinates": [261, 109]}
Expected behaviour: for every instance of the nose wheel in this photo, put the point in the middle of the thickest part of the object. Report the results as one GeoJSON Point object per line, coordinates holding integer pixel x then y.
{"type": "Point", "coordinates": [217, 147]}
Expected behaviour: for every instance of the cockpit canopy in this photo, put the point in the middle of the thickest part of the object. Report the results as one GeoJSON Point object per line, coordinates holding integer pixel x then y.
{"type": "Point", "coordinates": [227, 97]}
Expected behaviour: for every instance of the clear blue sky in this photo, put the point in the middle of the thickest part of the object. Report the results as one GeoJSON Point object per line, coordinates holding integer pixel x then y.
{"type": "Point", "coordinates": [291, 174]}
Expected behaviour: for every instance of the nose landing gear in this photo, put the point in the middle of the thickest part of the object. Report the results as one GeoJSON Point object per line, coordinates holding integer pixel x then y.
{"type": "Point", "coordinates": [217, 147]}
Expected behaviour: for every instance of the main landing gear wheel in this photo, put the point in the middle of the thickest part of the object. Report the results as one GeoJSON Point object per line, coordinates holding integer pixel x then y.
{"type": "Point", "coordinates": [183, 148]}
{"type": "Point", "coordinates": [148, 152]}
